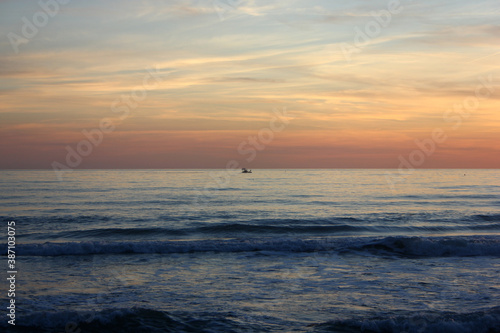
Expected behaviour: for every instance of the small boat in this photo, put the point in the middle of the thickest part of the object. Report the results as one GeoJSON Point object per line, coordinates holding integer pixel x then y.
{"type": "Point", "coordinates": [245, 170]}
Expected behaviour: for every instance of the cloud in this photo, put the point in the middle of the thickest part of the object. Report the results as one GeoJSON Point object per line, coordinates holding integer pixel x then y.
{"type": "Point", "coordinates": [246, 79]}
{"type": "Point", "coordinates": [462, 36]}
{"type": "Point", "coordinates": [222, 78]}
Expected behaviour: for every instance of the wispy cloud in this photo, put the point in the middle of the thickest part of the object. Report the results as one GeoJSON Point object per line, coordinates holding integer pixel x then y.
{"type": "Point", "coordinates": [222, 78]}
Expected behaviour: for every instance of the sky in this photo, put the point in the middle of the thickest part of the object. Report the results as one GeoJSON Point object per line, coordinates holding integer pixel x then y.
{"type": "Point", "coordinates": [249, 83]}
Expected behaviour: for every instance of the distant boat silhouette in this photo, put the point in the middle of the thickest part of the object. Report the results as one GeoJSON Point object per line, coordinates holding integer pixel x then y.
{"type": "Point", "coordinates": [245, 170]}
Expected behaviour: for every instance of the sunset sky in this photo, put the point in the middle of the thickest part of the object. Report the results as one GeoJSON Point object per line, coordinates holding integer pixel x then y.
{"type": "Point", "coordinates": [186, 83]}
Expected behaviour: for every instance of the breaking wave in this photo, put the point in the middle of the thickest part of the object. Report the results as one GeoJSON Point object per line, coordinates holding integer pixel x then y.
{"type": "Point", "coordinates": [401, 246]}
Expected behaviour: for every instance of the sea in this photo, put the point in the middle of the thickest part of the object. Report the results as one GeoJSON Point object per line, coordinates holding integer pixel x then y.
{"type": "Point", "coordinates": [268, 251]}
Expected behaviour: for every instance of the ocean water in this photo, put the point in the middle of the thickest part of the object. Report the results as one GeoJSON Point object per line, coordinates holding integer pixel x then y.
{"type": "Point", "coordinates": [271, 251]}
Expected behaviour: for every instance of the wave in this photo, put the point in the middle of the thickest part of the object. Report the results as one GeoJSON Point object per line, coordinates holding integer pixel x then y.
{"type": "Point", "coordinates": [434, 246]}
{"type": "Point", "coordinates": [133, 320]}
{"type": "Point", "coordinates": [487, 321]}
{"type": "Point", "coordinates": [208, 229]}
{"type": "Point", "coordinates": [489, 218]}
{"type": "Point", "coordinates": [148, 320]}
{"type": "Point", "coordinates": [400, 246]}
{"type": "Point", "coordinates": [239, 230]}
{"type": "Point", "coordinates": [113, 227]}
{"type": "Point", "coordinates": [253, 228]}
